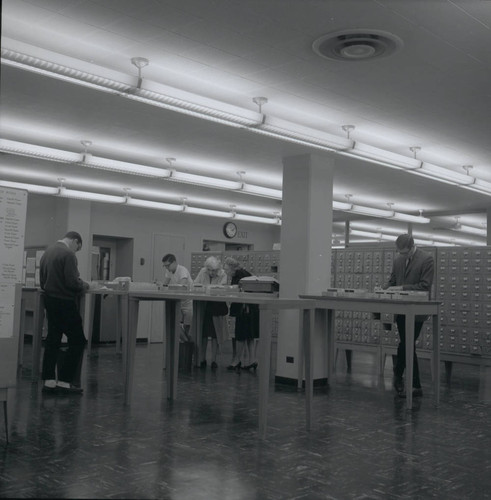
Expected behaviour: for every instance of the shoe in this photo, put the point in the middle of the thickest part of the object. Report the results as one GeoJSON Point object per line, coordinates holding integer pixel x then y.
{"type": "Point", "coordinates": [398, 384]}
{"type": "Point", "coordinates": [417, 393]}
{"type": "Point", "coordinates": [252, 366]}
{"type": "Point", "coordinates": [49, 390]}
{"type": "Point", "coordinates": [214, 366]}
{"type": "Point", "coordinates": [69, 390]}
{"type": "Point", "coordinates": [202, 365]}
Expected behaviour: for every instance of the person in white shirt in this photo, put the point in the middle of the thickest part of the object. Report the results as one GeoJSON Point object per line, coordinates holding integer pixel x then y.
{"type": "Point", "coordinates": [175, 274]}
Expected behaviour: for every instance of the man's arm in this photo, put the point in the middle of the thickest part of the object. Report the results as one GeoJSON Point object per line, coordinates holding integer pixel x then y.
{"type": "Point", "coordinates": [392, 279]}
{"type": "Point", "coordinates": [425, 276]}
{"type": "Point", "coordinates": [72, 276]}
{"type": "Point", "coordinates": [167, 277]}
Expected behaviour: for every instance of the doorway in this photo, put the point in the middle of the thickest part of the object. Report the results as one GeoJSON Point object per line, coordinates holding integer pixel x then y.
{"type": "Point", "coordinates": [111, 257]}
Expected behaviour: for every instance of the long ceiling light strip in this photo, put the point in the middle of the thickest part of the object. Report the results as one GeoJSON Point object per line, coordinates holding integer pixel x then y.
{"type": "Point", "coordinates": [64, 192]}
{"type": "Point", "coordinates": [32, 188]}
{"type": "Point", "coordinates": [71, 75]}
{"type": "Point", "coordinates": [254, 122]}
{"type": "Point", "coordinates": [382, 157]}
{"type": "Point", "coordinates": [88, 196]}
{"type": "Point", "coordinates": [379, 213]}
{"type": "Point", "coordinates": [204, 181]}
{"type": "Point", "coordinates": [91, 161]}
{"type": "Point", "coordinates": [276, 194]}
{"type": "Point", "coordinates": [361, 226]}
{"type": "Point", "coordinates": [444, 175]}
{"type": "Point", "coordinates": [420, 239]}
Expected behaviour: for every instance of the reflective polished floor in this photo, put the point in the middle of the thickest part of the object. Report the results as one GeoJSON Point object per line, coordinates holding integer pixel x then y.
{"type": "Point", "coordinates": [364, 445]}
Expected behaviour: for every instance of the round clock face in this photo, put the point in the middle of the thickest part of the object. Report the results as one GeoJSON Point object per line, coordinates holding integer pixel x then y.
{"type": "Point", "coordinates": [230, 230]}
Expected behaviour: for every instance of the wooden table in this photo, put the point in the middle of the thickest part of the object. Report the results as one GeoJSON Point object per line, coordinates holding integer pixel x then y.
{"type": "Point", "coordinates": [408, 308]}
{"type": "Point", "coordinates": [267, 304]}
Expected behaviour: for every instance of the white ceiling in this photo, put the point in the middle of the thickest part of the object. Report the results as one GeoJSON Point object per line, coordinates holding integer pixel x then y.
{"type": "Point", "coordinates": [434, 93]}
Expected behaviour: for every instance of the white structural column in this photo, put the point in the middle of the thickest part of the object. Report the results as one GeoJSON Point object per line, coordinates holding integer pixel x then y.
{"type": "Point", "coordinates": [305, 264]}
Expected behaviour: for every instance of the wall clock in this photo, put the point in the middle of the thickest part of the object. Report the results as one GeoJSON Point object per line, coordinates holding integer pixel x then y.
{"type": "Point", "coordinates": [230, 230]}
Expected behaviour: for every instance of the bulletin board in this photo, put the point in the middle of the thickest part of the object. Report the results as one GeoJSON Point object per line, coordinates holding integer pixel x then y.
{"type": "Point", "coordinates": [13, 208]}
{"type": "Point", "coordinates": [30, 269]}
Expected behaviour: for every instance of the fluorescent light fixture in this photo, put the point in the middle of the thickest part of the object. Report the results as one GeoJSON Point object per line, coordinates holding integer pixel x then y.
{"type": "Point", "coordinates": [254, 218]}
{"type": "Point", "coordinates": [91, 161]}
{"type": "Point", "coordinates": [157, 205]}
{"type": "Point", "coordinates": [85, 195]}
{"type": "Point", "coordinates": [262, 191]}
{"type": "Point", "coordinates": [31, 188]}
{"type": "Point", "coordinates": [281, 129]}
{"type": "Point", "coordinates": [204, 181]}
{"type": "Point", "coordinates": [368, 230]}
{"type": "Point", "coordinates": [471, 230]}
{"type": "Point", "coordinates": [64, 192]}
{"type": "Point", "coordinates": [35, 65]}
{"type": "Point", "coordinates": [237, 118]}
{"type": "Point", "coordinates": [440, 240]}
{"type": "Point", "coordinates": [380, 236]}
{"type": "Point", "coordinates": [34, 151]}
{"type": "Point", "coordinates": [480, 186]}
{"type": "Point", "coordinates": [444, 175]}
{"type": "Point", "coordinates": [340, 205]}
{"type": "Point", "coordinates": [229, 115]}
{"type": "Point", "coordinates": [187, 108]}
{"type": "Point", "coordinates": [124, 167]}
{"type": "Point", "coordinates": [418, 219]}
{"type": "Point", "coordinates": [375, 212]}
{"type": "Point", "coordinates": [379, 213]}
{"type": "Point", "coordinates": [382, 157]}
{"type": "Point", "coordinates": [204, 211]}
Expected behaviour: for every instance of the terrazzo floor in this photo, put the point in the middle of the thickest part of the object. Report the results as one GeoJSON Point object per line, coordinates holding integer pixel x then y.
{"type": "Point", "coordinates": [204, 445]}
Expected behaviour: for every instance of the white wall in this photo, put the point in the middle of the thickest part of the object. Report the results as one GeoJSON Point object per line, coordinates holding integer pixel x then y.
{"type": "Point", "coordinates": [47, 221]}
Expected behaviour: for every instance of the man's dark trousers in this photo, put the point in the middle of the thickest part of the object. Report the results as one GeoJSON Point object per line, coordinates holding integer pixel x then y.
{"type": "Point", "coordinates": [63, 318]}
{"type": "Point", "coordinates": [401, 350]}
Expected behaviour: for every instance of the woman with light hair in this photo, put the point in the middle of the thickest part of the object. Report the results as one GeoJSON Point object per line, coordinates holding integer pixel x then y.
{"type": "Point", "coordinates": [214, 324]}
{"type": "Point", "coordinates": [246, 321]}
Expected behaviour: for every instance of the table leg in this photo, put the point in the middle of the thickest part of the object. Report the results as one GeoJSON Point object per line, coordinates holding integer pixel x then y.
{"type": "Point", "coordinates": [330, 345]}
{"type": "Point", "coordinates": [196, 327]}
{"type": "Point", "coordinates": [124, 303]}
{"type": "Point", "coordinates": [307, 325]}
{"type": "Point", "coordinates": [130, 349]}
{"type": "Point", "coordinates": [264, 367]}
{"type": "Point", "coordinates": [172, 346]}
{"type": "Point", "coordinates": [409, 359]}
{"type": "Point", "coordinates": [301, 351]}
{"type": "Point", "coordinates": [436, 358]}
{"type": "Point", "coordinates": [119, 313]}
{"type": "Point", "coordinates": [37, 334]}
{"type": "Point", "coordinates": [89, 304]}
{"type": "Point", "coordinates": [20, 356]}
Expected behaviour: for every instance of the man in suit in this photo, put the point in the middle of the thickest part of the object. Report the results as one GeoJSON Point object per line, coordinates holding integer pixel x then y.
{"type": "Point", "coordinates": [413, 269]}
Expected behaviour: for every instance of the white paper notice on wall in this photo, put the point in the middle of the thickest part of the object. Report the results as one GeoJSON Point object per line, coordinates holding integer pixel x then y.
{"type": "Point", "coordinates": [13, 207]}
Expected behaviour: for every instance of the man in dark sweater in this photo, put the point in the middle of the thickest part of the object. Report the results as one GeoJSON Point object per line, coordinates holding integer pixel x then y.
{"type": "Point", "coordinates": [62, 285]}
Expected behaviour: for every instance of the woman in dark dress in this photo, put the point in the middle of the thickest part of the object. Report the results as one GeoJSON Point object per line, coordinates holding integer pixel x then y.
{"type": "Point", "coordinates": [246, 320]}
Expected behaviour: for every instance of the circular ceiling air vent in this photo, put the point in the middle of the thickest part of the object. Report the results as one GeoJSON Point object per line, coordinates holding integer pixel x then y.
{"type": "Point", "coordinates": [357, 45]}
